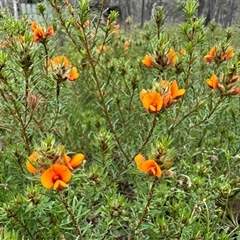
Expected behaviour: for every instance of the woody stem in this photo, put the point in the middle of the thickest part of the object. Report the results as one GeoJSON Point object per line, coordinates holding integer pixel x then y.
{"type": "Point", "coordinates": [145, 211]}
{"type": "Point", "coordinates": [71, 214]}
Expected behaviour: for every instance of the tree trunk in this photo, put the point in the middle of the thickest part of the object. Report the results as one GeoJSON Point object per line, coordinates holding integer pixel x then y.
{"type": "Point", "coordinates": [142, 15]}
{"type": "Point", "coordinates": [201, 7]}
{"type": "Point", "coordinates": [211, 11]}
{"type": "Point", "coordinates": [229, 14]}
{"type": "Point", "coordinates": [15, 8]}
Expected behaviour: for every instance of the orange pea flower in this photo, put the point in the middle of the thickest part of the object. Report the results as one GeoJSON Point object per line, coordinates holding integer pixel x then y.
{"type": "Point", "coordinates": [175, 92]}
{"type": "Point", "coordinates": [211, 55]}
{"type": "Point", "coordinates": [101, 48]}
{"type": "Point", "coordinates": [87, 23]}
{"type": "Point", "coordinates": [182, 51]}
{"type": "Point", "coordinates": [147, 61]}
{"type": "Point", "coordinates": [33, 26]}
{"type": "Point", "coordinates": [126, 45]}
{"type": "Point", "coordinates": [170, 92]}
{"type": "Point", "coordinates": [60, 60]}
{"type": "Point", "coordinates": [142, 94]}
{"type": "Point", "coordinates": [73, 74]}
{"type": "Point", "coordinates": [212, 82]}
{"type": "Point", "coordinates": [116, 28]}
{"type": "Point", "coordinates": [21, 38]}
{"type": "Point", "coordinates": [63, 67]}
{"type": "Point", "coordinates": [56, 177]}
{"type": "Point", "coordinates": [229, 53]}
{"type": "Point", "coordinates": [73, 162]}
{"type": "Point", "coordinates": [148, 166]}
{"type": "Point", "coordinates": [235, 91]}
{"type": "Point", "coordinates": [152, 101]}
{"type": "Point", "coordinates": [39, 34]}
{"type": "Point", "coordinates": [32, 159]}
{"type": "Point", "coordinates": [171, 58]}
{"type": "Point", "coordinates": [49, 32]}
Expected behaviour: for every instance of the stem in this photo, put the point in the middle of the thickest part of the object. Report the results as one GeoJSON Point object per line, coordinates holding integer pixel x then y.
{"type": "Point", "coordinates": [139, 150]}
{"type": "Point", "coordinates": [71, 214]}
{"type": "Point", "coordinates": [145, 211]}
{"type": "Point", "coordinates": [94, 72]}
{"type": "Point", "coordinates": [221, 99]}
{"type": "Point", "coordinates": [46, 56]}
{"type": "Point", "coordinates": [208, 224]}
{"type": "Point", "coordinates": [184, 117]}
{"type": "Point", "coordinates": [14, 215]}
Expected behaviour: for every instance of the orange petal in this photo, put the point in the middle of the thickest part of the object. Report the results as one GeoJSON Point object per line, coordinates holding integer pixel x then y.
{"type": "Point", "coordinates": [59, 185]}
{"type": "Point", "coordinates": [32, 158]}
{"type": "Point", "coordinates": [213, 52]}
{"type": "Point", "coordinates": [229, 53]}
{"type": "Point", "coordinates": [50, 31]}
{"type": "Point", "coordinates": [142, 94]}
{"type": "Point", "coordinates": [212, 82]}
{"type": "Point", "coordinates": [54, 173]}
{"type": "Point", "coordinates": [66, 159]}
{"type": "Point", "coordinates": [171, 57]}
{"type": "Point", "coordinates": [166, 99]}
{"type": "Point", "coordinates": [76, 160]}
{"type": "Point", "coordinates": [60, 60]}
{"type": "Point", "coordinates": [73, 74]}
{"type": "Point", "coordinates": [235, 91]}
{"type": "Point", "coordinates": [139, 159]}
{"type": "Point", "coordinates": [182, 51]}
{"type": "Point", "coordinates": [211, 55]}
{"type": "Point", "coordinates": [38, 34]}
{"type": "Point", "coordinates": [33, 26]}
{"type": "Point", "coordinates": [175, 92]}
{"type": "Point", "coordinates": [147, 61]}
{"type": "Point", "coordinates": [152, 168]}
{"type": "Point", "coordinates": [152, 102]}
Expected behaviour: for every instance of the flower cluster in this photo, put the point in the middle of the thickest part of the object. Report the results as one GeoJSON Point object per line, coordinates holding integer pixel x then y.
{"type": "Point", "coordinates": [113, 26]}
{"type": "Point", "coordinates": [39, 35]}
{"type": "Point", "coordinates": [161, 61]}
{"type": "Point", "coordinates": [227, 85]}
{"type": "Point", "coordinates": [63, 69]}
{"type": "Point", "coordinates": [219, 55]}
{"type": "Point", "coordinates": [162, 95]}
{"type": "Point", "coordinates": [54, 166]}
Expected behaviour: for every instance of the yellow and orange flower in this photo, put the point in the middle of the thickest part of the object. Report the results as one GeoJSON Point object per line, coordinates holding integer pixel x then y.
{"type": "Point", "coordinates": [56, 177]}
{"type": "Point", "coordinates": [152, 101]}
{"type": "Point", "coordinates": [147, 61]}
{"type": "Point", "coordinates": [31, 161]}
{"type": "Point", "coordinates": [101, 48]}
{"type": "Point", "coordinates": [175, 92]}
{"type": "Point", "coordinates": [63, 68]}
{"type": "Point", "coordinates": [73, 162]}
{"type": "Point", "coordinates": [235, 91]}
{"type": "Point", "coordinates": [116, 28]}
{"type": "Point", "coordinates": [170, 92]}
{"type": "Point", "coordinates": [228, 54]}
{"type": "Point", "coordinates": [213, 82]}
{"type": "Point", "coordinates": [220, 55]}
{"type": "Point", "coordinates": [182, 51]}
{"type": "Point", "coordinates": [171, 58]}
{"type": "Point", "coordinates": [210, 57]}
{"type": "Point", "coordinates": [126, 45]}
{"type": "Point", "coordinates": [39, 34]}
{"type": "Point", "coordinates": [148, 166]}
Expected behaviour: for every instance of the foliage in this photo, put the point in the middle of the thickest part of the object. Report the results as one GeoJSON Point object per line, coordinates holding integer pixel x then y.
{"type": "Point", "coordinates": [78, 87]}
